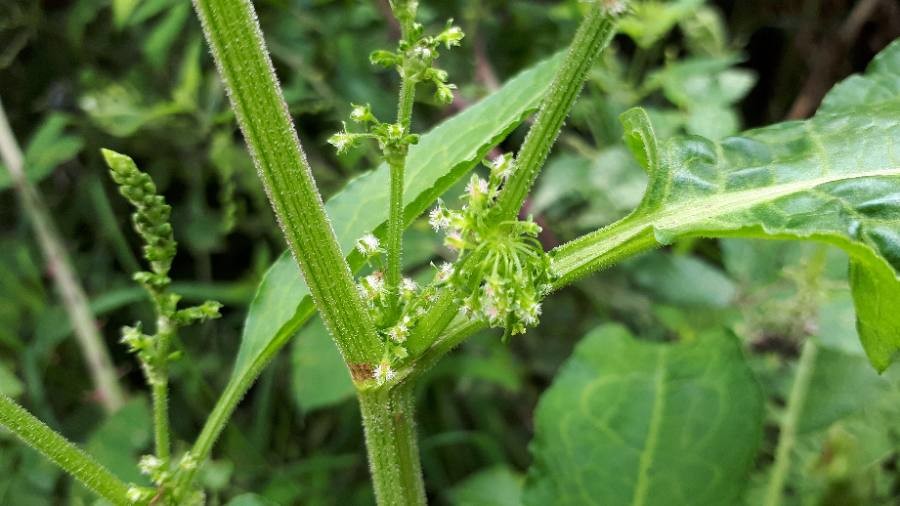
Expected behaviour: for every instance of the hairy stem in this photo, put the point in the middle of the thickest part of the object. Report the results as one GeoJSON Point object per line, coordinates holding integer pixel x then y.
{"type": "Point", "coordinates": [159, 382]}
{"type": "Point", "coordinates": [388, 418]}
{"type": "Point", "coordinates": [593, 36]}
{"type": "Point", "coordinates": [432, 323]}
{"type": "Point", "coordinates": [395, 212]}
{"type": "Point", "coordinates": [62, 452]}
{"type": "Point", "coordinates": [71, 293]}
{"type": "Point", "coordinates": [234, 36]}
{"type": "Point", "coordinates": [788, 431]}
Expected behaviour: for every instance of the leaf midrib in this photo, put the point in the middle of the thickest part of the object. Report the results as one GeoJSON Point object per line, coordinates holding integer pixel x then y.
{"type": "Point", "coordinates": [697, 211]}
{"type": "Point", "coordinates": [652, 441]}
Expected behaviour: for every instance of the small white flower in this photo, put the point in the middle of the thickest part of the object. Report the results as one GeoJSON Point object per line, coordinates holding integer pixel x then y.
{"type": "Point", "coordinates": [400, 331]}
{"type": "Point", "coordinates": [445, 271]}
{"type": "Point", "coordinates": [342, 141]}
{"type": "Point", "coordinates": [477, 188]}
{"type": "Point", "coordinates": [134, 494]}
{"type": "Point", "coordinates": [423, 52]}
{"type": "Point", "coordinates": [502, 166]}
{"type": "Point", "coordinates": [408, 287]}
{"type": "Point", "coordinates": [530, 313]}
{"type": "Point", "coordinates": [439, 218]}
{"type": "Point", "coordinates": [384, 373]}
{"type": "Point", "coordinates": [359, 113]}
{"type": "Point", "coordinates": [454, 240]}
{"type": "Point", "coordinates": [614, 7]}
{"type": "Point", "coordinates": [149, 464]}
{"type": "Point", "coordinates": [368, 245]}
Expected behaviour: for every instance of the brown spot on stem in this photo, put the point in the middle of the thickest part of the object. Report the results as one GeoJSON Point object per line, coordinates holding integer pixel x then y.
{"type": "Point", "coordinates": [361, 372]}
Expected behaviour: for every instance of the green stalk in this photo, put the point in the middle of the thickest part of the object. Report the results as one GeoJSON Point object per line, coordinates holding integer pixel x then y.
{"type": "Point", "coordinates": [788, 431]}
{"type": "Point", "coordinates": [159, 382]}
{"type": "Point", "coordinates": [389, 422]}
{"type": "Point", "coordinates": [397, 164]}
{"type": "Point", "coordinates": [432, 323]}
{"type": "Point", "coordinates": [592, 37]}
{"type": "Point", "coordinates": [237, 45]}
{"type": "Point", "coordinates": [72, 295]}
{"type": "Point", "coordinates": [62, 452]}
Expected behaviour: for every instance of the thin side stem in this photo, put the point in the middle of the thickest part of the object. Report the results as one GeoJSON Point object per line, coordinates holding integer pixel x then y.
{"type": "Point", "coordinates": [238, 48]}
{"type": "Point", "coordinates": [432, 323]}
{"type": "Point", "coordinates": [62, 452]}
{"type": "Point", "coordinates": [788, 431]}
{"type": "Point", "coordinates": [397, 165]}
{"type": "Point", "coordinates": [159, 382]}
{"type": "Point", "coordinates": [71, 293]}
{"type": "Point", "coordinates": [390, 427]}
{"type": "Point", "coordinates": [592, 37]}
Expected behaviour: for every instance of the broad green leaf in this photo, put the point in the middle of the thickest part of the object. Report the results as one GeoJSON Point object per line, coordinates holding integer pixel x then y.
{"type": "Point", "coordinates": [440, 158]}
{"type": "Point", "coordinates": [628, 422]}
{"type": "Point", "coordinates": [684, 280]}
{"type": "Point", "coordinates": [48, 147]}
{"type": "Point", "coordinates": [315, 362]}
{"type": "Point", "coordinates": [496, 486]}
{"type": "Point", "coordinates": [833, 178]}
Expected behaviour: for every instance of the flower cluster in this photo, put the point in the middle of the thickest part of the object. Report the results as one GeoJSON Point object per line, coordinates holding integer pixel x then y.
{"type": "Point", "coordinates": [416, 55]}
{"type": "Point", "coordinates": [162, 474]}
{"type": "Point", "coordinates": [501, 272]}
{"type": "Point", "coordinates": [393, 139]}
{"type": "Point", "coordinates": [151, 221]}
{"type": "Point", "coordinates": [374, 292]}
{"type": "Point", "coordinates": [611, 7]}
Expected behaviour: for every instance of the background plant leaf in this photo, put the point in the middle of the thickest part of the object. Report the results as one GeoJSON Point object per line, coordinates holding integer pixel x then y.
{"type": "Point", "coordinates": [631, 422]}
{"type": "Point", "coordinates": [795, 180]}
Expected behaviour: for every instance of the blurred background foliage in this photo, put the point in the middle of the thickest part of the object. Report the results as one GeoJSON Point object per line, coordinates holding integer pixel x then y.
{"type": "Point", "coordinates": [134, 76]}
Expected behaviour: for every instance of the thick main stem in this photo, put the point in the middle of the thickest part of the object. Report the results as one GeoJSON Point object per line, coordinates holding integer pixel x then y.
{"type": "Point", "coordinates": [71, 293]}
{"type": "Point", "coordinates": [62, 452]}
{"type": "Point", "coordinates": [239, 51]}
{"type": "Point", "coordinates": [388, 419]}
{"type": "Point", "coordinates": [593, 36]}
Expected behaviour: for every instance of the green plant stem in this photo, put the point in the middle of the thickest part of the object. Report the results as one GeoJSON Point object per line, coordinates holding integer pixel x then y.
{"type": "Point", "coordinates": [432, 323]}
{"type": "Point", "coordinates": [788, 431]}
{"type": "Point", "coordinates": [62, 452]}
{"type": "Point", "coordinates": [71, 293]}
{"type": "Point", "coordinates": [601, 249]}
{"type": "Point", "coordinates": [235, 39]}
{"type": "Point", "coordinates": [388, 418]}
{"type": "Point", "coordinates": [592, 37]}
{"type": "Point", "coordinates": [395, 224]}
{"type": "Point", "coordinates": [159, 381]}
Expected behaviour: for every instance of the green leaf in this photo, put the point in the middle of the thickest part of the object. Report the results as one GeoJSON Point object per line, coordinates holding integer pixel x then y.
{"type": "Point", "coordinates": [315, 367]}
{"type": "Point", "coordinates": [834, 178]}
{"type": "Point", "coordinates": [441, 157]}
{"type": "Point", "coordinates": [640, 423]}
{"type": "Point", "coordinates": [48, 147]}
{"type": "Point", "coordinates": [496, 486]}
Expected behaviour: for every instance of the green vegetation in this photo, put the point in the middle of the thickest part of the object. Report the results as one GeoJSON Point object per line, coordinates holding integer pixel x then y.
{"type": "Point", "coordinates": [586, 233]}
